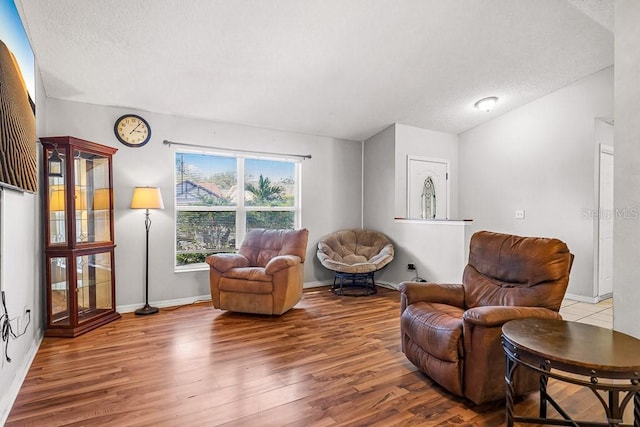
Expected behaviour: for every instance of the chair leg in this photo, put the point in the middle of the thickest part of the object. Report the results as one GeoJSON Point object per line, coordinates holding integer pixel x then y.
{"type": "Point", "coordinates": [373, 283]}
{"type": "Point", "coordinates": [337, 287]}
{"type": "Point", "coordinates": [362, 281]}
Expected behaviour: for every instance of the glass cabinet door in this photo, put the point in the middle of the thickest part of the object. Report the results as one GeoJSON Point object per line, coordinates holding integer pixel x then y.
{"type": "Point", "coordinates": [92, 197]}
{"type": "Point", "coordinates": [60, 297]}
{"type": "Point", "coordinates": [93, 286]}
{"type": "Point", "coordinates": [57, 202]}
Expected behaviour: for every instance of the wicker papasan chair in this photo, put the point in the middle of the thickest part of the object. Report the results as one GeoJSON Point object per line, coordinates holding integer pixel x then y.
{"type": "Point", "coordinates": [354, 256]}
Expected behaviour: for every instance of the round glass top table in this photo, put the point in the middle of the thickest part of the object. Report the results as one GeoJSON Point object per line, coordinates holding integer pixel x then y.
{"type": "Point", "coordinates": [605, 361]}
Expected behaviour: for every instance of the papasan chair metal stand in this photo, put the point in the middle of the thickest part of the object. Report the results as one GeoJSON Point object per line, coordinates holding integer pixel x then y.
{"type": "Point", "coordinates": [354, 256]}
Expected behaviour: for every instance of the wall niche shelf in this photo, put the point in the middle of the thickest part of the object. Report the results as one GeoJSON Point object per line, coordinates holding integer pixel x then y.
{"type": "Point", "coordinates": [78, 242]}
{"type": "Point", "coordinates": [434, 221]}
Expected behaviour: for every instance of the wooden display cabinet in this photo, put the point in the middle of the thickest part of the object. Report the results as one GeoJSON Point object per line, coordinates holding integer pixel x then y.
{"type": "Point", "coordinates": [79, 243]}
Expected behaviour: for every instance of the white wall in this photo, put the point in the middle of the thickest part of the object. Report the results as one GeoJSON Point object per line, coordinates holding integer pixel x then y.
{"type": "Point", "coordinates": [540, 158]}
{"type": "Point", "coordinates": [20, 276]}
{"type": "Point", "coordinates": [331, 188]}
{"type": "Point", "coordinates": [626, 268]}
{"type": "Point", "coordinates": [410, 140]}
{"type": "Point", "coordinates": [437, 250]}
{"type": "Point", "coordinates": [379, 192]}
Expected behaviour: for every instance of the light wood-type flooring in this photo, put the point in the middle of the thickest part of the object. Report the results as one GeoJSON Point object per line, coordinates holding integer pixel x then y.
{"type": "Point", "coordinates": [331, 361]}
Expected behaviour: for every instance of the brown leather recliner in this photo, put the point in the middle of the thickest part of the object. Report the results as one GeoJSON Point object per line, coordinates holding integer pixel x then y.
{"type": "Point", "coordinates": [452, 332]}
{"type": "Point", "coordinates": [264, 277]}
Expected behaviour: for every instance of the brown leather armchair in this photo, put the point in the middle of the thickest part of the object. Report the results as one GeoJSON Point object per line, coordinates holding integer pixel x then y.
{"type": "Point", "coordinates": [264, 277]}
{"type": "Point", "coordinates": [452, 332]}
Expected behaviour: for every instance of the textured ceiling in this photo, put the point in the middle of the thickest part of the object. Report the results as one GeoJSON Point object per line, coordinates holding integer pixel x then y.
{"type": "Point", "coordinates": [341, 68]}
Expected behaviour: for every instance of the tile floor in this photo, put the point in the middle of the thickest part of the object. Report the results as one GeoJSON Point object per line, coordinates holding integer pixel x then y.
{"type": "Point", "coordinates": [600, 314]}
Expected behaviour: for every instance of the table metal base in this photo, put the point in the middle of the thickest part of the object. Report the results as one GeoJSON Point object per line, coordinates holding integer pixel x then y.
{"type": "Point", "coordinates": [613, 406]}
{"type": "Point", "coordinates": [619, 388]}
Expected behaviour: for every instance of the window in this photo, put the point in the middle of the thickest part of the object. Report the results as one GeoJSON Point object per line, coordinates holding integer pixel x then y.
{"type": "Point", "coordinates": [213, 216]}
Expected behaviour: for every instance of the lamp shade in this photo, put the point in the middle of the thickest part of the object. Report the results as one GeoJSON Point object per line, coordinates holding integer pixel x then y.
{"type": "Point", "coordinates": [146, 198]}
{"type": "Point", "coordinates": [81, 199]}
{"type": "Point", "coordinates": [57, 200]}
{"type": "Point", "coordinates": [101, 199]}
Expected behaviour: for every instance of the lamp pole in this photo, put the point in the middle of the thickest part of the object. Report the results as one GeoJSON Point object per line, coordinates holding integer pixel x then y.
{"type": "Point", "coordinates": [147, 309]}
{"type": "Point", "coordinates": [146, 198]}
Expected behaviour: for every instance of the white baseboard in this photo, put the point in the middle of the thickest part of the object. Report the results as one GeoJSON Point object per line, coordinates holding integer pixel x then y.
{"type": "Point", "coordinates": [388, 285]}
{"type": "Point", "coordinates": [166, 303]}
{"type": "Point", "coordinates": [604, 297]}
{"type": "Point", "coordinates": [130, 308]}
{"type": "Point", "coordinates": [590, 300]}
{"type": "Point", "coordinates": [190, 300]}
{"type": "Point", "coordinates": [10, 395]}
{"type": "Point", "coordinates": [316, 284]}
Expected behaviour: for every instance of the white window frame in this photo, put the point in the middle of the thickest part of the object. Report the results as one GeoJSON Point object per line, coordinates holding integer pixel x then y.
{"type": "Point", "coordinates": [240, 209]}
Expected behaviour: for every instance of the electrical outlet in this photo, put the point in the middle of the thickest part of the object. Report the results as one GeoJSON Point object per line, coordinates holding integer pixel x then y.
{"type": "Point", "coordinates": [519, 213]}
{"type": "Point", "coordinates": [411, 266]}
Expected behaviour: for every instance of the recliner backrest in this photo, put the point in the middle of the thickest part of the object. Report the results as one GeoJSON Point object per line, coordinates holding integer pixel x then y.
{"type": "Point", "coordinates": [261, 245]}
{"type": "Point", "coordinates": [505, 269]}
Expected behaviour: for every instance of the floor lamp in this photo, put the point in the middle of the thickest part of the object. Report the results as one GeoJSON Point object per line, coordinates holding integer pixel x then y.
{"type": "Point", "coordinates": [147, 198]}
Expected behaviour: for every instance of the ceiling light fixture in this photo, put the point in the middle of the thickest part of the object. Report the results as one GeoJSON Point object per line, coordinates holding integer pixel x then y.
{"type": "Point", "coordinates": [486, 104]}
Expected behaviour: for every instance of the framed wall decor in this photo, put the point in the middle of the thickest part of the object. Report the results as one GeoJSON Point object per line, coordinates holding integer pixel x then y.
{"type": "Point", "coordinates": [18, 167]}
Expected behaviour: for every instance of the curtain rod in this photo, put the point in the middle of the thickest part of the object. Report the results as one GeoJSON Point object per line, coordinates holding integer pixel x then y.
{"type": "Point", "coordinates": [185, 144]}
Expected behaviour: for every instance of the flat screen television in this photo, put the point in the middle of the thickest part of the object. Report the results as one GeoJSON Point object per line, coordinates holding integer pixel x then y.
{"type": "Point", "coordinates": [18, 167]}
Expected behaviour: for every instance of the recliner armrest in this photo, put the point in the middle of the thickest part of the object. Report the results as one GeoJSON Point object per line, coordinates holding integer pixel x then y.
{"type": "Point", "coordinates": [412, 292]}
{"type": "Point", "coordinates": [281, 262]}
{"type": "Point", "coordinates": [225, 262]}
{"type": "Point", "coordinates": [486, 322]}
{"type": "Point", "coordinates": [498, 315]}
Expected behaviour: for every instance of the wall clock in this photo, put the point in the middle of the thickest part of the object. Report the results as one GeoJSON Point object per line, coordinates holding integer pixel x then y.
{"type": "Point", "coordinates": [132, 130]}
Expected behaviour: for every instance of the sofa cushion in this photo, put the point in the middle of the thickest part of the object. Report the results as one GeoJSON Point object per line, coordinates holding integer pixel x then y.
{"type": "Point", "coordinates": [244, 286]}
{"type": "Point", "coordinates": [436, 328]}
{"type": "Point", "coordinates": [249, 273]}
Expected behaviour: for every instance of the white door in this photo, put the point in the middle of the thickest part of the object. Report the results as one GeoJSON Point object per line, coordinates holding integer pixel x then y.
{"type": "Point", "coordinates": [605, 224]}
{"type": "Point", "coordinates": [420, 169]}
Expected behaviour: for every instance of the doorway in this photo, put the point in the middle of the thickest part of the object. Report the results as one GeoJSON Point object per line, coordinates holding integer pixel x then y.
{"type": "Point", "coordinates": [606, 212]}
{"type": "Point", "coordinates": [419, 170]}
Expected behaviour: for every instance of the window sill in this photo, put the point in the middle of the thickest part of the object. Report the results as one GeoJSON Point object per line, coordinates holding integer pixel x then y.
{"type": "Point", "coordinates": [202, 266]}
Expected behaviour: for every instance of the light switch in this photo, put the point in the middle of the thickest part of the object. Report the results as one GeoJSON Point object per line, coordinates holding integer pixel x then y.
{"type": "Point", "coordinates": [519, 213]}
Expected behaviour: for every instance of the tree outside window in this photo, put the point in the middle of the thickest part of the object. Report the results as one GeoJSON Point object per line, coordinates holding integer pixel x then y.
{"type": "Point", "coordinates": [212, 217]}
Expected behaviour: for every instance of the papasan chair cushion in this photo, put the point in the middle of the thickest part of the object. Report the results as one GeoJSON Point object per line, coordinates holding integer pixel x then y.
{"type": "Point", "coordinates": [355, 251]}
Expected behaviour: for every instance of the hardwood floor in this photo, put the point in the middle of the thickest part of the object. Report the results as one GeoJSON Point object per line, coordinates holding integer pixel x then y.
{"type": "Point", "coordinates": [331, 361]}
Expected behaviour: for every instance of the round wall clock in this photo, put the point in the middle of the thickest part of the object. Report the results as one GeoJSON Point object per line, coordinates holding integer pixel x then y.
{"type": "Point", "coordinates": [132, 130]}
